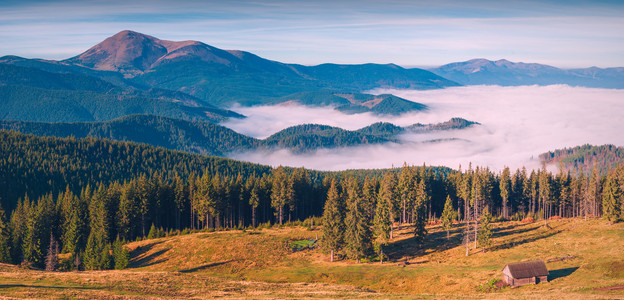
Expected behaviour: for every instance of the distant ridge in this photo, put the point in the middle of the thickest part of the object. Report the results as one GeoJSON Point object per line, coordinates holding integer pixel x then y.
{"type": "Point", "coordinates": [214, 139]}
{"type": "Point", "coordinates": [505, 73]}
{"type": "Point", "coordinates": [224, 77]}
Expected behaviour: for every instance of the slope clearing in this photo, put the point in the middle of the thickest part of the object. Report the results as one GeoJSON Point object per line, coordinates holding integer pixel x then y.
{"type": "Point", "coordinates": [583, 257]}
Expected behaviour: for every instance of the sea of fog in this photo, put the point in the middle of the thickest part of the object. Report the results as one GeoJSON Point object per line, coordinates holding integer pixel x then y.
{"type": "Point", "coordinates": [517, 124]}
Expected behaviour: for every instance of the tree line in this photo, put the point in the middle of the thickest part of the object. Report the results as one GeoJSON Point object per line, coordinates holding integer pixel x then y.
{"type": "Point", "coordinates": [360, 209]}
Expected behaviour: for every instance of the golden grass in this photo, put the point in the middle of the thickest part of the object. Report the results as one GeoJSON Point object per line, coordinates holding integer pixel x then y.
{"type": "Point", "coordinates": [583, 257]}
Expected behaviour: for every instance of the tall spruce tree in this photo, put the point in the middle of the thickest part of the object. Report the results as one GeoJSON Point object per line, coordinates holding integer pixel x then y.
{"type": "Point", "coordinates": [76, 230]}
{"type": "Point", "coordinates": [18, 229]}
{"type": "Point", "coordinates": [121, 256]}
{"type": "Point", "coordinates": [407, 191]}
{"type": "Point", "coordinates": [420, 211]}
{"type": "Point", "coordinates": [5, 239]}
{"type": "Point", "coordinates": [387, 191]}
{"type": "Point", "coordinates": [358, 228]}
{"type": "Point", "coordinates": [382, 225]}
{"type": "Point", "coordinates": [254, 199]}
{"type": "Point", "coordinates": [505, 188]}
{"type": "Point", "coordinates": [448, 216]}
{"type": "Point", "coordinates": [92, 257]}
{"type": "Point", "coordinates": [611, 196]}
{"type": "Point", "coordinates": [333, 221]}
{"type": "Point", "coordinates": [485, 230]}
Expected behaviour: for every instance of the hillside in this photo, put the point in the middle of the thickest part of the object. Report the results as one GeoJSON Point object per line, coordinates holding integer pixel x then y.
{"type": "Point", "coordinates": [31, 94]}
{"type": "Point", "coordinates": [308, 137]}
{"type": "Point", "coordinates": [505, 73]}
{"type": "Point", "coordinates": [191, 136]}
{"type": "Point", "coordinates": [38, 165]}
{"type": "Point", "coordinates": [585, 158]}
{"type": "Point", "coordinates": [355, 103]}
{"type": "Point", "coordinates": [214, 139]}
{"type": "Point", "coordinates": [258, 264]}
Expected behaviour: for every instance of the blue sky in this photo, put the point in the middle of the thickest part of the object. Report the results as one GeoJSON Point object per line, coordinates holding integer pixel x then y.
{"type": "Point", "coordinates": [572, 33]}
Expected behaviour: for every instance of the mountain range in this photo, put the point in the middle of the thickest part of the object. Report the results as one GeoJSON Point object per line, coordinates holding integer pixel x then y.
{"type": "Point", "coordinates": [223, 77]}
{"type": "Point", "coordinates": [132, 73]}
{"type": "Point", "coordinates": [136, 87]}
{"type": "Point", "coordinates": [213, 139]}
{"type": "Point", "coordinates": [505, 73]}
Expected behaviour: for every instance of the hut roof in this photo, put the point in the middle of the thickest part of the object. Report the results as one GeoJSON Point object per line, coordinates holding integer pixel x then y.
{"type": "Point", "coordinates": [527, 269]}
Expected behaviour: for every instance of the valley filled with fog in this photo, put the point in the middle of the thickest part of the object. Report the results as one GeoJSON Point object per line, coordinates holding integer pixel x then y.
{"type": "Point", "coordinates": [517, 124]}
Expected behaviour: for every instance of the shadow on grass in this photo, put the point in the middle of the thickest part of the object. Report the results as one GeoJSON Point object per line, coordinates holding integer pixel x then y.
{"type": "Point", "coordinates": [408, 248]}
{"type": "Point", "coordinates": [554, 274]}
{"type": "Point", "coordinates": [437, 240]}
{"type": "Point", "coordinates": [148, 260]}
{"type": "Point", "coordinates": [206, 266]}
{"type": "Point", "coordinates": [505, 230]}
{"type": "Point", "coordinates": [532, 238]}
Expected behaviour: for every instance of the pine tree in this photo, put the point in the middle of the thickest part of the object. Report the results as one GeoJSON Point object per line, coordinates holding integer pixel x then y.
{"type": "Point", "coordinates": [358, 234]}
{"type": "Point", "coordinates": [592, 193]}
{"type": "Point", "coordinates": [406, 190]}
{"type": "Point", "coordinates": [92, 257]}
{"type": "Point", "coordinates": [128, 211]}
{"type": "Point", "coordinates": [333, 220]}
{"type": "Point", "coordinates": [253, 186]}
{"type": "Point", "coordinates": [448, 216]}
{"type": "Point", "coordinates": [153, 233]}
{"type": "Point", "coordinates": [382, 225]}
{"type": "Point", "coordinates": [281, 193]}
{"type": "Point", "coordinates": [420, 218]}
{"type": "Point", "coordinates": [18, 229]}
{"type": "Point", "coordinates": [106, 259]}
{"type": "Point", "coordinates": [387, 191]}
{"type": "Point", "coordinates": [5, 239]}
{"type": "Point", "coordinates": [76, 228]}
{"type": "Point", "coordinates": [505, 183]}
{"type": "Point", "coordinates": [120, 255]}
{"type": "Point", "coordinates": [369, 196]}
{"type": "Point", "coordinates": [33, 241]}
{"type": "Point", "coordinates": [611, 195]}
{"type": "Point", "coordinates": [485, 232]}
{"type": "Point", "coordinates": [464, 193]}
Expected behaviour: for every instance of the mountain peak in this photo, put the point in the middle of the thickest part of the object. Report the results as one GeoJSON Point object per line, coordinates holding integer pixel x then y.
{"type": "Point", "coordinates": [133, 52]}
{"type": "Point", "coordinates": [124, 51]}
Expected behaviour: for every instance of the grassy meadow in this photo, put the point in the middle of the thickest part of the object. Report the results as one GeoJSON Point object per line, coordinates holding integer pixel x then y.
{"type": "Point", "coordinates": [585, 260]}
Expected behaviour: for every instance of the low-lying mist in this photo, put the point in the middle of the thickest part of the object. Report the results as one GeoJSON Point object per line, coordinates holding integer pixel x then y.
{"type": "Point", "coordinates": [518, 124]}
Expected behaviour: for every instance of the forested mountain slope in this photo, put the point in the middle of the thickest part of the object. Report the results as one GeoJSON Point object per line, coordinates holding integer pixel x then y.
{"type": "Point", "coordinates": [36, 165]}
{"type": "Point", "coordinates": [191, 136]}
{"type": "Point", "coordinates": [214, 139]}
{"type": "Point", "coordinates": [31, 94]}
{"type": "Point", "coordinates": [585, 158]}
{"type": "Point", "coordinates": [354, 103]}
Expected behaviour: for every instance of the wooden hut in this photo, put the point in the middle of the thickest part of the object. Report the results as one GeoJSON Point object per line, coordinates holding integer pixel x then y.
{"type": "Point", "coordinates": [527, 272]}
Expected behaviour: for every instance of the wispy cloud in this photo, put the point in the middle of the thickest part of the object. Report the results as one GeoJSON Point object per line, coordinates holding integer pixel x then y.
{"type": "Point", "coordinates": [563, 33]}
{"type": "Point", "coordinates": [518, 124]}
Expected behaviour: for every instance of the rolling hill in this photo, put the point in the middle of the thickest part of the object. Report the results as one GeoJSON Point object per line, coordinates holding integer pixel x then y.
{"type": "Point", "coordinates": [32, 94]}
{"type": "Point", "coordinates": [505, 73]}
{"type": "Point", "coordinates": [214, 139]}
{"type": "Point", "coordinates": [354, 103]}
{"type": "Point", "coordinates": [234, 264]}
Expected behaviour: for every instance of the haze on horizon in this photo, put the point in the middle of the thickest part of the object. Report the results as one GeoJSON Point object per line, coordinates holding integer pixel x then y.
{"type": "Point", "coordinates": [566, 34]}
